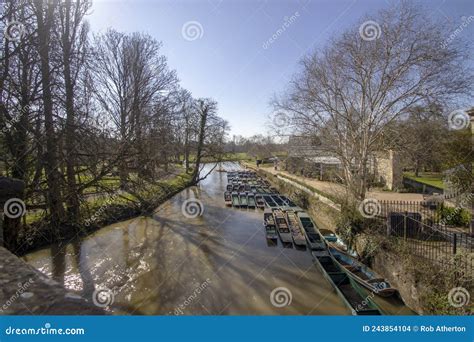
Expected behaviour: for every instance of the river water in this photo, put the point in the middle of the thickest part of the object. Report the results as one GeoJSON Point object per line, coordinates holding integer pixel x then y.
{"type": "Point", "coordinates": [217, 263]}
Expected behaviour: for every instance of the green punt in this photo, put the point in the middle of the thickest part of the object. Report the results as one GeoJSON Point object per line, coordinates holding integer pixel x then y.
{"type": "Point", "coordinates": [361, 273]}
{"type": "Point", "coordinates": [342, 284]}
{"type": "Point", "coordinates": [235, 200]}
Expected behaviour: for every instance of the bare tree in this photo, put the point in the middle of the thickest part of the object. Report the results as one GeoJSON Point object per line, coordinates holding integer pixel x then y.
{"type": "Point", "coordinates": [347, 93]}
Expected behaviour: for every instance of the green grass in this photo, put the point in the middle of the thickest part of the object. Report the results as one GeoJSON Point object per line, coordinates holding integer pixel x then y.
{"type": "Point", "coordinates": [428, 178]}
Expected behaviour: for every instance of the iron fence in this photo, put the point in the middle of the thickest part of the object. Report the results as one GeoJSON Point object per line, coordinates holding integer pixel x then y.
{"type": "Point", "coordinates": [423, 229]}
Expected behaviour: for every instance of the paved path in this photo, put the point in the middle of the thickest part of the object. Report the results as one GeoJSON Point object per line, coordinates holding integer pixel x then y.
{"type": "Point", "coordinates": [338, 190]}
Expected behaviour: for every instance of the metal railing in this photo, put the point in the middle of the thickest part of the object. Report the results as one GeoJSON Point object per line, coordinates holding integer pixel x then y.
{"type": "Point", "coordinates": [421, 227]}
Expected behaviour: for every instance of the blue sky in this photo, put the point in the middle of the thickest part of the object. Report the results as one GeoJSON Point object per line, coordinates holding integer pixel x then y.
{"type": "Point", "coordinates": [228, 62]}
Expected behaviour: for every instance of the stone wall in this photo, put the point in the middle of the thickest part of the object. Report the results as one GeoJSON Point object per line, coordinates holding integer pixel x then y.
{"type": "Point", "coordinates": [26, 291]}
{"type": "Point", "coordinates": [388, 170]}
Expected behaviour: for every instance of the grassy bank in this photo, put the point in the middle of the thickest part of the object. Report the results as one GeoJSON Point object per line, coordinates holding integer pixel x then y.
{"type": "Point", "coordinates": [99, 212]}
{"type": "Point", "coordinates": [428, 178]}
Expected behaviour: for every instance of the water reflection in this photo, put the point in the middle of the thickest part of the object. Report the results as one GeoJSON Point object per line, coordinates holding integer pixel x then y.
{"type": "Point", "coordinates": [158, 265]}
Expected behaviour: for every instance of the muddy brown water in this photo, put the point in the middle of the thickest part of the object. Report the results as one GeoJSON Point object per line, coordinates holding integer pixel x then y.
{"type": "Point", "coordinates": [218, 263]}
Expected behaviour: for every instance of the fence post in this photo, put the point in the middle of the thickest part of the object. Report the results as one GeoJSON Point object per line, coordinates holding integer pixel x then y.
{"type": "Point", "coordinates": [455, 240]}
{"type": "Point", "coordinates": [405, 226]}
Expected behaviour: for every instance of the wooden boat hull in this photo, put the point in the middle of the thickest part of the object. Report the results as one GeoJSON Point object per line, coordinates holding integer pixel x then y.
{"type": "Point", "coordinates": [341, 283]}
{"type": "Point", "coordinates": [375, 288]}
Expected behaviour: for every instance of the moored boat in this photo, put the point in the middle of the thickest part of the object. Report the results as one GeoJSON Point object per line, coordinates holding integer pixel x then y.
{"type": "Point", "coordinates": [342, 284]}
{"type": "Point", "coordinates": [251, 200]}
{"type": "Point", "coordinates": [243, 200]}
{"type": "Point", "coordinates": [259, 201]}
{"type": "Point", "coordinates": [315, 240]}
{"type": "Point", "coordinates": [271, 232]}
{"type": "Point", "coordinates": [235, 200]}
{"type": "Point", "coordinates": [335, 241]}
{"type": "Point", "coordinates": [269, 201]}
{"type": "Point", "coordinates": [295, 228]}
{"type": "Point", "coordinates": [227, 198]}
{"type": "Point", "coordinates": [282, 226]}
{"type": "Point", "coordinates": [362, 274]}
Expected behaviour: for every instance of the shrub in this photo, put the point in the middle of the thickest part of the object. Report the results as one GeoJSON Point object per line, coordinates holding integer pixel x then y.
{"type": "Point", "coordinates": [458, 217]}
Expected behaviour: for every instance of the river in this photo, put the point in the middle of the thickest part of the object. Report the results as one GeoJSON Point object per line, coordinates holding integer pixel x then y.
{"type": "Point", "coordinates": [218, 263]}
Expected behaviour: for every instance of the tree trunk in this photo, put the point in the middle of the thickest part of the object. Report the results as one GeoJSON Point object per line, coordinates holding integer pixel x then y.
{"type": "Point", "coordinates": [202, 133]}
{"type": "Point", "coordinates": [72, 199]}
{"type": "Point", "coordinates": [53, 178]}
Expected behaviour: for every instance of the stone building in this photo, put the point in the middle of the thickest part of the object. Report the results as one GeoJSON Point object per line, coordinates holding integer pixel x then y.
{"type": "Point", "coordinates": [307, 158]}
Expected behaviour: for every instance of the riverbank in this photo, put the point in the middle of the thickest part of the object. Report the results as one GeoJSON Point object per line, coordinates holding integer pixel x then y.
{"type": "Point", "coordinates": [423, 285]}
{"type": "Point", "coordinates": [100, 212]}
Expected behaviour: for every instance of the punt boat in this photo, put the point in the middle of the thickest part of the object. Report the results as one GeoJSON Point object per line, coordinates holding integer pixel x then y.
{"type": "Point", "coordinates": [235, 199]}
{"type": "Point", "coordinates": [228, 198]}
{"type": "Point", "coordinates": [335, 241]}
{"type": "Point", "coordinates": [269, 223]}
{"type": "Point", "coordinates": [269, 201]}
{"type": "Point", "coordinates": [251, 200]}
{"type": "Point", "coordinates": [243, 200]}
{"type": "Point", "coordinates": [315, 241]}
{"type": "Point", "coordinates": [277, 200]}
{"type": "Point", "coordinates": [362, 274]}
{"type": "Point", "coordinates": [297, 234]}
{"type": "Point", "coordinates": [342, 284]}
{"type": "Point", "coordinates": [260, 202]}
{"type": "Point", "coordinates": [282, 226]}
